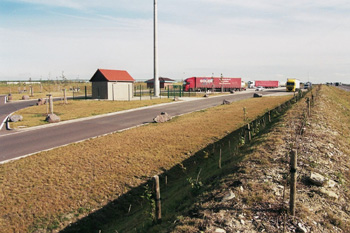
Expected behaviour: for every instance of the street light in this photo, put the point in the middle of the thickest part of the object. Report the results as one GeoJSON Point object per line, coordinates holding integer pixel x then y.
{"type": "Point", "coordinates": [222, 87]}
{"type": "Point", "coordinates": [156, 78]}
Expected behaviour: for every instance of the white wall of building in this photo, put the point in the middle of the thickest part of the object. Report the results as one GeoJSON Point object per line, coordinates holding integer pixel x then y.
{"type": "Point", "coordinates": [112, 90]}
{"type": "Point", "coordinates": [120, 91]}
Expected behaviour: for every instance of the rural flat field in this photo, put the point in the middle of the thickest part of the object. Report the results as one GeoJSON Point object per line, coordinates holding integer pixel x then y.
{"type": "Point", "coordinates": [17, 91]}
{"type": "Point", "coordinates": [49, 190]}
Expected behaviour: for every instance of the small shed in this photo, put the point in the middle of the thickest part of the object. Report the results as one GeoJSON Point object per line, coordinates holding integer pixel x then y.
{"type": "Point", "coordinates": [112, 85]}
{"type": "Point", "coordinates": [163, 82]}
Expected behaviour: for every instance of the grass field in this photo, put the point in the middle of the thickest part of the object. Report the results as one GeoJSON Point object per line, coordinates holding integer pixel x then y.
{"type": "Point", "coordinates": [35, 115]}
{"type": "Point", "coordinates": [40, 91]}
{"type": "Point", "coordinates": [48, 190]}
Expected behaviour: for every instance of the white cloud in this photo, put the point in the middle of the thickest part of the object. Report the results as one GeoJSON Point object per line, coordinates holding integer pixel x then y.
{"type": "Point", "coordinates": [56, 3]}
{"type": "Point", "coordinates": [129, 5]}
{"type": "Point", "coordinates": [252, 39]}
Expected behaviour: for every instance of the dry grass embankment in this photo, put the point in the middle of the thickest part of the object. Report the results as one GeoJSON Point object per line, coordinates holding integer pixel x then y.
{"type": "Point", "coordinates": [50, 189]}
{"type": "Point", "coordinates": [261, 184]}
{"type": "Point", "coordinates": [35, 115]}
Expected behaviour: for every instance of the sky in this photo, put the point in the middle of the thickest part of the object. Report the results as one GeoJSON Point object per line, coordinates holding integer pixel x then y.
{"type": "Point", "coordinates": [256, 39]}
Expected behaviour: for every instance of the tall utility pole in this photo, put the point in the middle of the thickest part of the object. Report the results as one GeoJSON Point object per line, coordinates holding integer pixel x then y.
{"type": "Point", "coordinates": [156, 77]}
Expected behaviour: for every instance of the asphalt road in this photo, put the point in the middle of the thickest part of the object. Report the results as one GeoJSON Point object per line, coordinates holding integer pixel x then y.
{"type": "Point", "coordinates": [10, 107]}
{"type": "Point", "coordinates": [6, 109]}
{"type": "Point", "coordinates": [345, 87]}
{"type": "Point", "coordinates": [25, 142]}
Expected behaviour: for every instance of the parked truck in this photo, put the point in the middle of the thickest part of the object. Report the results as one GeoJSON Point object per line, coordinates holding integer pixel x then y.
{"type": "Point", "coordinates": [293, 85]}
{"type": "Point", "coordinates": [251, 84]}
{"type": "Point", "coordinates": [213, 84]}
{"type": "Point", "coordinates": [266, 83]}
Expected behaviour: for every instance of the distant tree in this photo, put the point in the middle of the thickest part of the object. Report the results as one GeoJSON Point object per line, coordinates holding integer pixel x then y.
{"type": "Point", "coordinates": [64, 79]}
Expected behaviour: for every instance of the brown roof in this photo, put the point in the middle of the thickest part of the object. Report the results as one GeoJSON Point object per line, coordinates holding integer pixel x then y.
{"type": "Point", "coordinates": [111, 75]}
{"type": "Point", "coordinates": [161, 79]}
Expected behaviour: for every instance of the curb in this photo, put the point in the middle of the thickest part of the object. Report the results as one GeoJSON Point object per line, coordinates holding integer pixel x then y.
{"type": "Point", "coordinates": [8, 124]}
{"type": "Point", "coordinates": [107, 114]}
{"type": "Point", "coordinates": [6, 120]}
{"type": "Point", "coordinates": [103, 115]}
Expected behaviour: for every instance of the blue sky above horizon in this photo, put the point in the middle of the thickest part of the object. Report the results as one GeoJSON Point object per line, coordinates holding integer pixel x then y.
{"type": "Point", "coordinates": [257, 39]}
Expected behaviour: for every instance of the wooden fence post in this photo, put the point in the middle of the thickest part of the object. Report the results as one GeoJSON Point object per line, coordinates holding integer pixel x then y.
{"type": "Point", "coordinates": [47, 105]}
{"type": "Point", "coordinates": [293, 182]}
{"type": "Point", "coordinates": [244, 114]}
{"type": "Point", "coordinates": [157, 199]}
{"type": "Point", "coordinates": [229, 146]}
{"type": "Point", "coordinates": [140, 92]}
{"type": "Point", "coordinates": [51, 104]}
{"type": "Point", "coordinates": [31, 91]}
{"type": "Point", "coordinates": [220, 158]}
{"type": "Point", "coordinates": [244, 135]}
{"type": "Point", "coordinates": [50, 110]}
{"type": "Point", "coordinates": [263, 122]}
{"type": "Point", "coordinates": [65, 96]}
{"type": "Point", "coordinates": [308, 107]}
{"type": "Point", "coordinates": [249, 132]}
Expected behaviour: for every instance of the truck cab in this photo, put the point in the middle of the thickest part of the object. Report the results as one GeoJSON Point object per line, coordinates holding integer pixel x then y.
{"type": "Point", "coordinates": [292, 85]}
{"type": "Point", "coordinates": [189, 84]}
{"type": "Point", "coordinates": [251, 84]}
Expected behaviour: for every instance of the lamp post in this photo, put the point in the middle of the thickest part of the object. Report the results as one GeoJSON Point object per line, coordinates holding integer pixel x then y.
{"type": "Point", "coordinates": [156, 77]}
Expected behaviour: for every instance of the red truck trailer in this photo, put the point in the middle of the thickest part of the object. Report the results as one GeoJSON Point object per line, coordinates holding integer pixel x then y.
{"type": "Point", "coordinates": [212, 83]}
{"type": "Point", "coordinates": [267, 84]}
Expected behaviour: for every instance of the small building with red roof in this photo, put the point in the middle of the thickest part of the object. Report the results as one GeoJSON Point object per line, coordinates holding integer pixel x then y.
{"type": "Point", "coordinates": [163, 82]}
{"type": "Point", "coordinates": [112, 85]}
